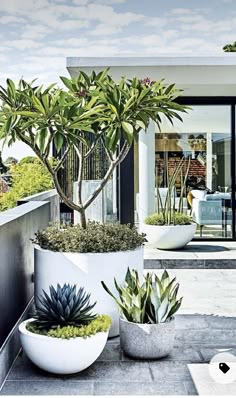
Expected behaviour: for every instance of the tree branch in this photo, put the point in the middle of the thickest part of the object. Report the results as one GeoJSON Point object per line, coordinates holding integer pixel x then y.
{"type": "Point", "coordinates": [123, 153]}
{"type": "Point", "coordinates": [80, 174]}
{"type": "Point", "coordinates": [109, 153]}
{"type": "Point", "coordinates": [93, 146]}
{"type": "Point", "coordinates": [61, 161]}
{"type": "Point", "coordinates": [52, 172]}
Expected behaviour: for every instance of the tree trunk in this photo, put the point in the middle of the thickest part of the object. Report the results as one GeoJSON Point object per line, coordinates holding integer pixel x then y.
{"type": "Point", "coordinates": [83, 221]}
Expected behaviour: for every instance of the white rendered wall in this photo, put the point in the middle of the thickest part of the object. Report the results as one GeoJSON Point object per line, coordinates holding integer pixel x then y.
{"type": "Point", "coordinates": [146, 200]}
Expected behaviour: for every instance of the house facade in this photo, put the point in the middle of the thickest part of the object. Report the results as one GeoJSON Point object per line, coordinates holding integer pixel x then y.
{"type": "Point", "coordinates": [205, 139]}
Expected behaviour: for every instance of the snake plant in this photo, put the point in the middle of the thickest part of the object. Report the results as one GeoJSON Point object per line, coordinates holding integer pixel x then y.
{"type": "Point", "coordinates": [152, 301]}
{"type": "Point", "coordinates": [167, 211]}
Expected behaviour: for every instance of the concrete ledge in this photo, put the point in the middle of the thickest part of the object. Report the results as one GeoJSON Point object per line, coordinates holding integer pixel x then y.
{"type": "Point", "coordinates": [189, 264]}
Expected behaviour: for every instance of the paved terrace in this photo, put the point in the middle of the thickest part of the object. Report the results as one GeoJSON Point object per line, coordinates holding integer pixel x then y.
{"type": "Point", "coordinates": [198, 337]}
{"type": "Point", "coordinates": [200, 255]}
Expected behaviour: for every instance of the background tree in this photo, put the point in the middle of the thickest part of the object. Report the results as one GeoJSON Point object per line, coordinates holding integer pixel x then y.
{"type": "Point", "coordinates": [230, 48]}
{"type": "Point", "coordinates": [114, 112]}
{"type": "Point", "coordinates": [26, 179]}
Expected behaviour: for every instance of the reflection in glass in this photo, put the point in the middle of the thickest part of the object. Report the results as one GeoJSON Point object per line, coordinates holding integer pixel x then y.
{"type": "Point", "coordinates": [204, 137]}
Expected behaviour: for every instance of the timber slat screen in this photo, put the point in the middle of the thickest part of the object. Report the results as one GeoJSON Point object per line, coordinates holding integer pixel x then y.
{"type": "Point", "coordinates": [95, 168]}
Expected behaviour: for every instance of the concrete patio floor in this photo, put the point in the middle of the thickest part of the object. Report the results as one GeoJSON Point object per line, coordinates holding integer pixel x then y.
{"type": "Point", "coordinates": [197, 339]}
{"type": "Point", "coordinates": [206, 322]}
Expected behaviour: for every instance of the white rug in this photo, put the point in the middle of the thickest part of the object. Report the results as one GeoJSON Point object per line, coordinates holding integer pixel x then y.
{"type": "Point", "coordinates": [205, 385]}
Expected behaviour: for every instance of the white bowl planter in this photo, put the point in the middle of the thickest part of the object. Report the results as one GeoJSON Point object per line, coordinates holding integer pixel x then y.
{"type": "Point", "coordinates": [61, 356]}
{"type": "Point", "coordinates": [87, 270]}
{"type": "Point", "coordinates": [150, 341]}
{"type": "Point", "coordinates": [169, 237]}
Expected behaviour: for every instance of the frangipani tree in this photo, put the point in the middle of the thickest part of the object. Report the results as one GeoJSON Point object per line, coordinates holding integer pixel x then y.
{"type": "Point", "coordinates": [114, 112]}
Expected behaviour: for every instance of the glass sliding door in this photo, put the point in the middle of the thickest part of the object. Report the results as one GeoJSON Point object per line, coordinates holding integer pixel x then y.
{"type": "Point", "coordinates": [203, 140]}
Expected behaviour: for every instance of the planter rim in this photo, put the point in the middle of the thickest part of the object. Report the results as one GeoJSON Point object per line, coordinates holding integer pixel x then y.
{"type": "Point", "coordinates": [171, 225]}
{"type": "Point", "coordinates": [22, 329]}
{"type": "Point", "coordinates": [149, 324]}
{"type": "Point", "coordinates": [141, 247]}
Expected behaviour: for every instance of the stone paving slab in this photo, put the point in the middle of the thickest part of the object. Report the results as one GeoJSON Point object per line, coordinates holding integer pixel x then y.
{"type": "Point", "coordinates": [26, 387]}
{"type": "Point", "coordinates": [171, 388]}
{"type": "Point", "coordinates": [198, 338]}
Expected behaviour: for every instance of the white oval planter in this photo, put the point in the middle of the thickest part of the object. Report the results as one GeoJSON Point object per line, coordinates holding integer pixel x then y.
{"type": "Point", "coordinates": [169, 237]}
{"type": "Point", "coordinates": [87, 270]}
{"type": "Point", "coordinates": [150, 341]}
{"type": "Point", "coordinates": [61, 356]}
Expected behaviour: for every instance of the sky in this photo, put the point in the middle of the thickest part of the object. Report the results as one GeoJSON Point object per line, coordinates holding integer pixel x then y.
{"type": "Point", "coordinates": [37, 35]}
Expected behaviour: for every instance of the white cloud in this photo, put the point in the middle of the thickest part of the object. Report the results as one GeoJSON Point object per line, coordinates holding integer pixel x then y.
{"type": "Point", "coordinates": [11, 19]}
{"type": "Point", "coordinates": [36, 32]}
{"type": "Point", "coordinates": [22, 44]}
{"type": "Point", "coordinates": [80, 2]}
{"type": "Point", "coordinates": [105, 30]}
{"type": "Point", "coordinates": [109, 2]}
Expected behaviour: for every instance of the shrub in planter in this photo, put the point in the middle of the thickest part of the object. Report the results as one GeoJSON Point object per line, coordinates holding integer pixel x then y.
{"type": "Point", "coordinates": [64, 336]}
{"type": "Point", "coordinates": [147, 314]}
{"type": "Point", "coordinates": [177, 219]}
{"type": "Point", "coordinates": [170, 228]}
{"type": "Point", "coordinates": [89, 255]}
{"type": "Point", "coordinates": [96, 238]}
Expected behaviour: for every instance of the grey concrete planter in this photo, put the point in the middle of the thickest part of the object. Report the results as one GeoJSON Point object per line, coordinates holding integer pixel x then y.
{"type": "Point", "coordinates": [147, 340]}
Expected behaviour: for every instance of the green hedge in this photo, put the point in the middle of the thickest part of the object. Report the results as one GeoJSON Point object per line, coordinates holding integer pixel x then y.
{"type": "Point", "coordinates": [27, 179]}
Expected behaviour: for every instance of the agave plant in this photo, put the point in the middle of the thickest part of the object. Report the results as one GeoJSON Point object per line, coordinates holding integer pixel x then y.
{"type": "Point", "coordinates": [64, 306]}
{"type": "Point", "coordinates": [162, 302]}
{"type": "Point", "coordinates": [153, 301]}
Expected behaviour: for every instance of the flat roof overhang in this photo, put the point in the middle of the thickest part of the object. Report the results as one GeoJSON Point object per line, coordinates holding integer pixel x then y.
{"type": "Point", "coordinates": [200, 75]}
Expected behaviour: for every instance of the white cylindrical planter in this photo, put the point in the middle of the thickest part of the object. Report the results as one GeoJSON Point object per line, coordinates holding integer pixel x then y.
{"type": "Point", "coordinates": [87, 270]}
{"type": "Point", "coordinates": [150, 341]}
{"type": "Point", "coordinates": [168, 237]}
{"type": "Point", "coordinates": [61, 356]}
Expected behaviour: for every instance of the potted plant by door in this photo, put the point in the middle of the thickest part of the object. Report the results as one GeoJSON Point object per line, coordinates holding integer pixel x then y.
{"type": "Point", "coordinates": [170, 228]}
{"type": "Point", "coordinates": [147, 324]}
{"type": "Point", "coordinates": [93, 110]}
{"type": "Point", "coordinates": [64, 336]}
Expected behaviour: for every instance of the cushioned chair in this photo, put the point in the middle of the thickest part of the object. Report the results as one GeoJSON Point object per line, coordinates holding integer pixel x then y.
{"type": "Point", "coordinates": [210, 211]}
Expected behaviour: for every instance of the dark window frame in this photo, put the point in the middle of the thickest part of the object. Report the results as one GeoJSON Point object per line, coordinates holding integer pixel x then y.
{"type": "Point", "coordinates": [128, 197]}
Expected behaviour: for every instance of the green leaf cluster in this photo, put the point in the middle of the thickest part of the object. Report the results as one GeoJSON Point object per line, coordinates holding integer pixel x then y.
{"type": "Point", "coordinates": [96, 238]}
{"type": "Point", "coordinates": [90, 104]}
{"type": "Point", "coordinates": [152, 301]}
{"type": "Point", "coordinates": [176, 219]}
{"type": "Point", "coordinates": [101, 324]}
{"type": "Point", "coordinates": [26, 179]}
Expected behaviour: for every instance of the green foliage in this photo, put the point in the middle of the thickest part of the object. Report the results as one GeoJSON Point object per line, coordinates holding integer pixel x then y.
{"type": "Point", "coordinates": [113, 112]}
{"type": "Point", "coordinates": [27, 179]}
{"type": "Point", "coordinates": [101, 324]}
{"type": "Point", "coordinates": [96, 238]}
{"type": "Point", "coordinates": [64, 306]}
{"type": "Point", "coordinates": [230, 48]}
{"type": "Point", "coordinates": [28, 159]}
{"type": "Point", "coordinates": [176, 219]}
{"type": "Point", "coordinates": [153, 301]}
